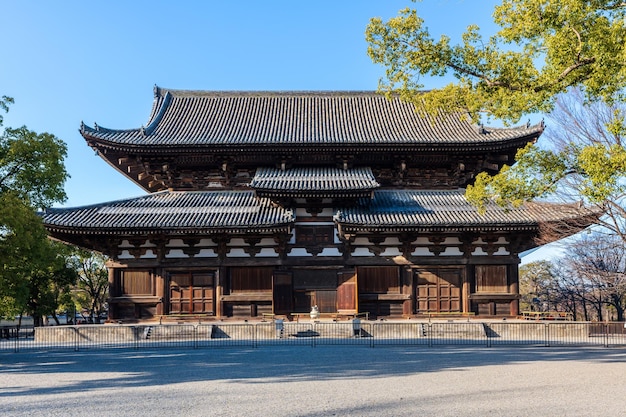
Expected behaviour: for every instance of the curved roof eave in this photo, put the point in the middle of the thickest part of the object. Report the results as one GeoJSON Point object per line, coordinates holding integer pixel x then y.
{"type": "Point", "coordinates": [396, 119]}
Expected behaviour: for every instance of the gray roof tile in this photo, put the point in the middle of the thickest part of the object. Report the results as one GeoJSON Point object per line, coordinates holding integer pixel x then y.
{"type": "Point", "coordinates": [314, 179]}
{"type": "Point", "coordinates": [189, 118]}
{"type": "Point", "coordinates": [177, 211]}
{"type": "Point", "coordinates": [242, 211]}
{"type": "Point", "coordinates": [415, 210]}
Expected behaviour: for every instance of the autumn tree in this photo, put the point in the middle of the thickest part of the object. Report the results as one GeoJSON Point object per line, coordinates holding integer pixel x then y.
{"type": "Point", "coordinates": [544, 49]}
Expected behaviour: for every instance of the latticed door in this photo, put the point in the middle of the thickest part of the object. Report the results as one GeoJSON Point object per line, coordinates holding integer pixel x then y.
{"type": "Point", "coordinates": [192, 293]}
{"type": "Point", "coordinates": [439, 290]}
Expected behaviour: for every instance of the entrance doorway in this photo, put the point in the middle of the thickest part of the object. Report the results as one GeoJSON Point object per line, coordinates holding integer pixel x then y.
{"type": "Point", "coordinates": [438, 290]}
{"type": "Point", "coordinates": [192, 293]}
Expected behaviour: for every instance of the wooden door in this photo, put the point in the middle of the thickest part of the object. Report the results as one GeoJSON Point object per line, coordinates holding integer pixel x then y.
{"type": "Point", "coordinates": [347, 295]}
{"type": "Point", "coordinates": [192, 293]}
{"type": "Point", "coordinates": [282, 293]}
{"type": "Point", "coordinates": [202, 293]}
{"type": "Point", "coordinates": [439, 290]}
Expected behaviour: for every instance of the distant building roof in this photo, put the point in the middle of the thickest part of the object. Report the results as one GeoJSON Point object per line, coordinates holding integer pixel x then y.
{"type": "Point", "coordinates": [208, 118]}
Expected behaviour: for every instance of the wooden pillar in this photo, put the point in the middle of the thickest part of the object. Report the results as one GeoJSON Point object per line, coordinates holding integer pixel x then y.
{"type": "Point", "coordinates": [161, 290]}
{"type": "Point", "coordinates": [514, 288]}
{"type": "Point", "coordinates": [408, 306]}
{"type": "Point", "coordinates": [219, 291]}
{"type": "Point", "coordinates": [113, 292]}
{"type": "Point", "coordinates": [466, 289]}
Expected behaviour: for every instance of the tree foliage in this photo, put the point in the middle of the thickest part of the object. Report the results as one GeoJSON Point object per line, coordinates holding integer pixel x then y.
{"type": "Point", "coordinates": [567, 57]}
{"type": "Point", "coordinates": [589, 281]}
{"type": "Point", "coordinates": [92, 288]}
{"type": "Point", "coordinates": [32, 176]}
{"type": "Point", "coordinates": [543, 48]}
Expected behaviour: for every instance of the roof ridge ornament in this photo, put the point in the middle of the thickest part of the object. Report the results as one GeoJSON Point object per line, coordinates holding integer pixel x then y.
{"type": "Point", "coordinates": [96, 127]}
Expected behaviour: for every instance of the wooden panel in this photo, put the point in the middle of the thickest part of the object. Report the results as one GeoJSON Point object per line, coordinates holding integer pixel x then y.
{"type": "Point", "coordinates": [427, 291]}
{"type": "Point", "coordinates": [439, 290]}
{"type": "Point", "coordinates": [309, 279]}
{"type": "Point", "coordinates": [303, 301]}
{"type": "Point", "coordinates": [491, 278]}
{"type": "Point", "coordinates": [136, 282]}
{"type": "Point", "coordinates": [192, 293]}
{"type": "Point", "coordinates": [314, 235]}
{"type": "Point", "coordinates": [283, 293]}
{"type": "Point", "coordinates": [251, 279]}
{"type": "Point", "coordinates": [326, 301]}
{"type": "Point", "coordinates": [347, 291]}
{"type": "Point", "coordinates": [379, 279]}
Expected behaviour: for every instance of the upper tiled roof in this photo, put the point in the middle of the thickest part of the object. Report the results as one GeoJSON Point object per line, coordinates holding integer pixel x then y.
{"type": "Point", "coordinates": [436, 210]}
{"type": "Point", "coordinates": [206, 118]}
{"type": "Point", "coordinates": [315, 181]}
{"type": "Point", "coordinates": [176, 212]}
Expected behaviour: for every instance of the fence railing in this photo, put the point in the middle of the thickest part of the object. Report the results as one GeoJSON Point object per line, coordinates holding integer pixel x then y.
{"type": "Point", "coordinates": [277, 333]}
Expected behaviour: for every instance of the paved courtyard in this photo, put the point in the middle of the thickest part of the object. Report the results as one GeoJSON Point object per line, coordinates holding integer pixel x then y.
{"type": "Point", "coordinates": [323, 381]}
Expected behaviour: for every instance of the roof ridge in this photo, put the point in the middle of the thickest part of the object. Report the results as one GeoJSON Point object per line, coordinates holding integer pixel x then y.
{"type": "Point", "coordinates": [162, 92]}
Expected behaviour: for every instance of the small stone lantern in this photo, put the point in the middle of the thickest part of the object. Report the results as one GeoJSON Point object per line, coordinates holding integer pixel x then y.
{"type": "Point", "coordinates": [315, 313]}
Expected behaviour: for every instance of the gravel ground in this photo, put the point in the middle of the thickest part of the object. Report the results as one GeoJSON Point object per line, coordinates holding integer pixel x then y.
{"type": "Point", "coordinates": [322, 381]}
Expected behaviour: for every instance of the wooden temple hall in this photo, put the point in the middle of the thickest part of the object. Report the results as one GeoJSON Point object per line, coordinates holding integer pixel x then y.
{"type": "Point", "coordinates": [274, 202]}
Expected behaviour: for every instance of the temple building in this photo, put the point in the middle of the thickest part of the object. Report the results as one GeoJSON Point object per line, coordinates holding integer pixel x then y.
{"type": "Point", "coordinates": [274, 202]}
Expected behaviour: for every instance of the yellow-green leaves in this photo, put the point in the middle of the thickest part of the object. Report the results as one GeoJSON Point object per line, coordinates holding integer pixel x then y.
{"type": "Point", "coordinates": [543, 48]}
{"type": "Point", "coordinates": [604, 170]}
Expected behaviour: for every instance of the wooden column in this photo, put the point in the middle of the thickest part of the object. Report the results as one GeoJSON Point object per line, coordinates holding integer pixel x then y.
{"type": "Point", "coordinates": [219, 291]}
{"type": "Point", "coordinates": [466, 290]}
{"type": "Point", "coordinates": [113, 291]}
{"type": "Point", "coordinates": [160, 289]}
{"type": "Point", "coordinates": [514, 288]}
{"type": "Point", "coordinates": [406, 277]}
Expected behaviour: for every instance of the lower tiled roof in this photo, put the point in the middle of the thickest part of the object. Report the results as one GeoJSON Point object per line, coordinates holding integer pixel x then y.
{"type": "Point", "coordinates": [182, 211]}
{"type": "Point", "coordinates": [433, 210]}
{"type": "Point", "coordinates": [243, 212]}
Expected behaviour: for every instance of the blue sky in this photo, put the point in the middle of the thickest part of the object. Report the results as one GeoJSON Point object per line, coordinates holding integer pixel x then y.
{"type": "Point", "coordinates": [72, 61]}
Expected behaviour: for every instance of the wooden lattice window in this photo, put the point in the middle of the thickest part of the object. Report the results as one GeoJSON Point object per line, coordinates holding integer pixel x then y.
{"type": "Point", "coordinates": [136, 282]}
{"type": "Point", "coordinates": [491, 279]}
{"type": "Point", "coordinates": [314, 235]}
{"type": "Point", "coordinates": [250, 280]}
{"type": "Point", "coordinates": [379, 279]}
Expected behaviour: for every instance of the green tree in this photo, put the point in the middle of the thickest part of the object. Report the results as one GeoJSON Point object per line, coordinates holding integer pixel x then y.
{"type": "Point", "coordinates": [543, 48]}
{"type": "Point", "coordinates": [32, 176]}
{"type": "Point", "coordinates": [537, 286]}
{"type": "Point", "coordinates": [49, 282]}
{"type": "Point", "coordinates": [543, 51]}
{"type": "Point", "coordinates": [92, 288]}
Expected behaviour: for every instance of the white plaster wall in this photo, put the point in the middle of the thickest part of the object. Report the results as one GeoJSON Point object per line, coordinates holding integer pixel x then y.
{"type": "Point", "coordinates": [237, 253]}
{"type": "Point", "coordinates": [176, 243]}
{"type": "Point", "coordinates": [206, 253]}
{"type": "Point", "coordinates": [150, 254]}
{"type": "Point", "coordinates": [176, 253]}
{"type": "Point", "coordinates": [421, 251]}
{"type": "Point", "coordinates": [267, 253]}
{"type": "Point", "coordinates": [362, 252]}
{"type": "Point", "coordinates": [330, 252]}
